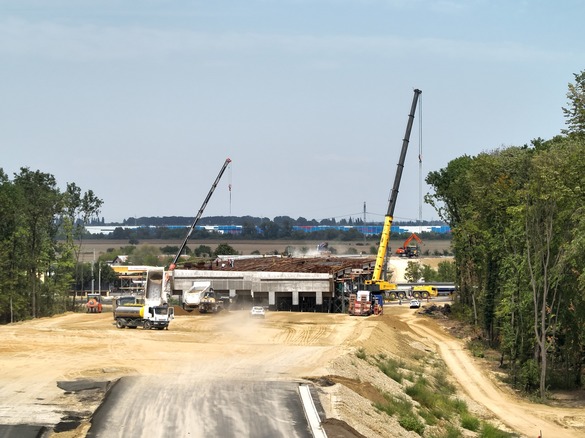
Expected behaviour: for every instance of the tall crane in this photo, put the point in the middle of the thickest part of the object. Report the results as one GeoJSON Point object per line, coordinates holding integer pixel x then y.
{"type": "Point", "coordinates": [377, 283]}
{"type": "Point", "coordinates": [199, 214]}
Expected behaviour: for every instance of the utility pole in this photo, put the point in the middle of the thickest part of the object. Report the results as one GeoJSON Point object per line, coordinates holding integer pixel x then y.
{"type": "Point", "coordinates": [92, 279]}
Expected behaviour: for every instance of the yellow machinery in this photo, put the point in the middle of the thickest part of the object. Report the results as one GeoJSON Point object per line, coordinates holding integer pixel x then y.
{"type": "Point", "coordinates": [377, 283]}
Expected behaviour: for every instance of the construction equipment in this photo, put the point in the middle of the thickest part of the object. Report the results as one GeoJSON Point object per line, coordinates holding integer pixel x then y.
{"type": "Point", "coordinates": [408, 249]}
{"type": "Point", "coordinates": [190, 301]}
{"type": "Point", "coordinates": [154, 312]}
{"type": "Point", "coordinates": [377, 283]}
{"type": "Point", "coordinates": [192, 297]}
{"type": "Point", "coordinates": [199, 214]}
{"type": "Point", "coordinates": [210, 302]}
{"type": "Point", "coordinates": [94, 303]}
{"type": "Point", "coordinates": [364, 303]}
{"type": "Point", "coordinates": [145, 316]}
{"type": "Point", "coordinates": [424, 291]}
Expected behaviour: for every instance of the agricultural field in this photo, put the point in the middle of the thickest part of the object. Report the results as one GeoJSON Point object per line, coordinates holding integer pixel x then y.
{"type": "Point", "coordinates": [246, 247]}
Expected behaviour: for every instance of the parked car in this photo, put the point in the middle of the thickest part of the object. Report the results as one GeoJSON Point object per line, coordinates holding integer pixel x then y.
{"type": "Point", "coordinates": [414, 304]}
{"type": "Point", "coordinates": [257, 312]}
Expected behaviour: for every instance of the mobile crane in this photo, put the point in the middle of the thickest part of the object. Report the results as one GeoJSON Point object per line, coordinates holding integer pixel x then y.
{"type": "Point", "coordinates": [173, 265]}
{"type": "Point", "coordinates": [376, 283]}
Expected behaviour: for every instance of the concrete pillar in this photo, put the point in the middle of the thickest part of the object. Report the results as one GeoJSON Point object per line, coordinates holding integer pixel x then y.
{"type": "Point", "coordinates": [271, 298]}
{"type": "Point", "coordinates": [319, 298]}
{"type": "Point", "coordinates": [232, 293]}
{"type": "Point", "coordinates": [295, 301]}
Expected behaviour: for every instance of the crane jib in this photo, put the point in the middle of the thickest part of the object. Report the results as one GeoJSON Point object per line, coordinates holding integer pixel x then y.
{"type": "Point", "coordinates": [376, 280]}
{"type": "Point", "coordinates": [200, 212]}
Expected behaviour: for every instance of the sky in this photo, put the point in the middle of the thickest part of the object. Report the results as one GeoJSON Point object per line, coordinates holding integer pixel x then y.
{"type": "Point", "coordinates": [142, 101]}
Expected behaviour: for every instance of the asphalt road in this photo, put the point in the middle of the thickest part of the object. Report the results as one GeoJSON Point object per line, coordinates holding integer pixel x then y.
{"type": "Point", "coordinates": [148, 406]}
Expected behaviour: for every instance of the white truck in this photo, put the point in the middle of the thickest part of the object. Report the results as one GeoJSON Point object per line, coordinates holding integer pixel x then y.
{"type": "Point", "coordinates": [145, 316]}
{"type": "Point", "coordinates": [154, 313]}
{"type": "Point", "coordinates": [192, 297]}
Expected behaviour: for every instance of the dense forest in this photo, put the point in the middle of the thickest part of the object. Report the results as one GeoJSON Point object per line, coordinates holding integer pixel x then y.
{"type": "Point", "coordinates": [517, 217]}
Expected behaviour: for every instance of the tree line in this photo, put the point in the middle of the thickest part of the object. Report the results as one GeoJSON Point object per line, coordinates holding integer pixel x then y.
{"type": "Point", "coordinates": [37, 270]}
{"type": "Point", "coordinates": [517, 217]}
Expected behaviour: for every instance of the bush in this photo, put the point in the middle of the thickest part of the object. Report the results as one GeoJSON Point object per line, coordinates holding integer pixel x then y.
{"type": "Point", "coordinates": [411, 423]}
{"type": "Point", "coordinates": [470, 422]}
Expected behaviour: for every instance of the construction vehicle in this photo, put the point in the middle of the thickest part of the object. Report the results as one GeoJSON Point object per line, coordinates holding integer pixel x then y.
{"type": "Point", "coordinates": [192, 297]}
{"type": "Point", "coordinates": [211, 302]}
{"type": "Point", "coordinates": [377, 283]}
{"type": "Point", "coordinates": [124, 300]}
{"type": "Point", "coordinates": [365, 303]}
{"type": "Point", "coordinates": [189, 302]}
{"type": "Point", "coordinates": [145, 316]}
{"type": "Point", "coordinates": [154, 312]}
{"type": "Point", "coordinates": [94, 303]}
{"type": "Point", "coordinates": [173, 264]}
{"type": "Point", "coordinates": [409, 249]}
{"type": "Point", "coordinates": [424, 291]}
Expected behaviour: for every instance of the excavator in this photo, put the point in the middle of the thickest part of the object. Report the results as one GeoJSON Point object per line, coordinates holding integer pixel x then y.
{"type": "Point", "coordinates": [408, 249]}
{"type": "Point", "coordinates": [377, 283]}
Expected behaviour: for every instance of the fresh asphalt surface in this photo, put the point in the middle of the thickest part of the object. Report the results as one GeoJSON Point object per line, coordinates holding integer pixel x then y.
{"type": "Point", "coordinates": [146, 406]}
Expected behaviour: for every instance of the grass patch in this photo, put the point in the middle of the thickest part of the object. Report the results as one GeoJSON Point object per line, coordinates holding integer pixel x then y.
{"type": "Point", "coordinates": [361, 353]}
{"type": "Point", "coordinates": [449, 432]}
{"type": "Point", "coordinates": [470, 422]}
{"type": "Point", "coordinates": [489, 431]}
{"type": "Point", "coordinates": [476, 348]}
{"type": "Point", "coordinates": [392, 368]}
{"type": "Point", "coordinates": [411, 422]}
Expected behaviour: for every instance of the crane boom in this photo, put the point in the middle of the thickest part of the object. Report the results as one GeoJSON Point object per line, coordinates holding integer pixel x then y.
{"type": "Point", "coordinates": [385, 236]}
{"type": "Point", "coordinates": [200, 213]}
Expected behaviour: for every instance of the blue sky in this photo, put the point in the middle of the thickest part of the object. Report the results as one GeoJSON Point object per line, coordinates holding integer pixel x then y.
{"type": "Point", "coordinates": [142, 101]}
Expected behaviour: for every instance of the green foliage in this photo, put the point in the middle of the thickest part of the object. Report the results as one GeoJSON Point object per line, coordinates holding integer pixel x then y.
{"type": "Point", "coordinates": [413, 272]}
{"type": "Point", "coordinates": [36, 269]}
{"type": "Point", "coordinates": [203, 251]}
{"type": "Point", "coordinates": [517, 223]}
{"type": "Point", "coordinates": [470, 422]}
{"type": "Point", "coordinates": [449, 431]}
{"type": "Point", "coordinates": [224, 249]}
{"type": "Point", "coordinates": [411, 423]}
{"type": "Point", "coordinates": [489, 431]}
{"type": "Point", "coordinates": [391, 367]}
{"type": "Point", "coordinates": [575, 112]}
{"type": "Point", "coordinates": [361, 353]}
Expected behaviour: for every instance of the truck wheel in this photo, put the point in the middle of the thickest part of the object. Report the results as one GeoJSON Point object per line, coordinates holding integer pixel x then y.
{"type": "Point", "coordinates": [147, 325]}
{"type": "Point", "coordinates": [120, 324]}
{"type": "Point", "coordinates": [425, 294]}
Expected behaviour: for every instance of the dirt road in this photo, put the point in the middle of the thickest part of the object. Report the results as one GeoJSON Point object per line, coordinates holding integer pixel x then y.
{"type": "Point", "coordinates": [87, 348]}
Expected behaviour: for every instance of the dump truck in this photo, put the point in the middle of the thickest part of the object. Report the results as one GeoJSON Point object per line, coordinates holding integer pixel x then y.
{"type": "Point", "coordinates": [365, 303]}
{"type": "Point", "coordinates": [192, 297]}
{"type": "Point", "coordinates": [143, 315]}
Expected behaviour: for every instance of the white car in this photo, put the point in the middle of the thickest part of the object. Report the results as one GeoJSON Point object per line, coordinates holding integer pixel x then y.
{"type": "Point", "coordinates": [257, 312]}
{"type": "Point", "coordinates": [414, 304]}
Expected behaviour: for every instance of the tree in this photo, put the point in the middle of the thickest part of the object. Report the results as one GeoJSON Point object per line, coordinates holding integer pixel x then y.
{"type": "Point", "coordinates": [413, 272]}
{"type": "Point", "coordinates": [40, 204]}
{"type": "Point", "coordinates": [575, 112]}
{"type": "Point", "coordinates": [224, 249]}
